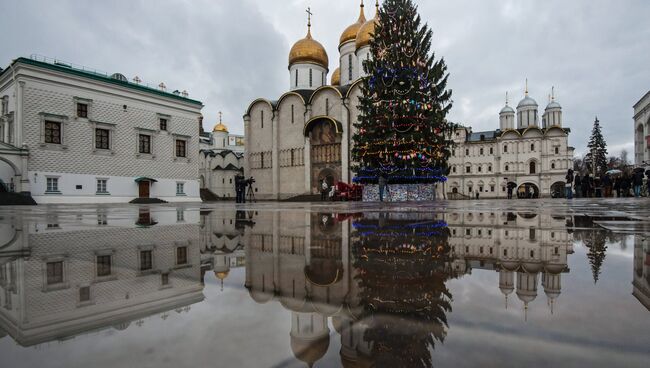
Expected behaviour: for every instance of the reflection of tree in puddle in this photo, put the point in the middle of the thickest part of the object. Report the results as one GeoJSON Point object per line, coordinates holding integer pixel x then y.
{"type": "Point", "coordinates": [402, 267]}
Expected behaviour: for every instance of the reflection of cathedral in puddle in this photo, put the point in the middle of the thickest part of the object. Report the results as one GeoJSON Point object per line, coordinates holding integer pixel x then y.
{"type": "Point", "coordinates": [313, 269]}
{"type": "Point", "coordinates": [88, 272]}
{"type": "Point", "coordinates": [641, 279]}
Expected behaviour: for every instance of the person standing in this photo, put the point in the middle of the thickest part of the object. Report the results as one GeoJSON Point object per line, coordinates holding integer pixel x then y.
{"type": "Point", "coordinates": [569, 184]}
{"type": "Point", "coordinates": [382, 187]}
{"type": "Point", "coordinates": [606, 182]}
{"type": "Point", "coordinates": [323, 189]}
{"type": "Point", "coordinates": [576, 185]}
{"type": "Point", "coordinates": [625, 185]}
{"type": "Point", "coordinates": [617, 186]}
{"type": "Point", "coordinates": [585, 186]}
{"type": "Point", "coordinates": [509, 191]}
{"type": "Point", "coordinates": [637, 181]}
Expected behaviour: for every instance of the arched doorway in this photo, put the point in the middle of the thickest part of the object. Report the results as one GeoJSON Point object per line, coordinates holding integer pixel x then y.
{"type": "Point", "coordinates": [325, 139]}
{"type": "Point", "coordinates": [528, 190]}
{"type": "Point", "coordinates": [8, 173]}
{"type": "Point", "coordinates": [558, 190]}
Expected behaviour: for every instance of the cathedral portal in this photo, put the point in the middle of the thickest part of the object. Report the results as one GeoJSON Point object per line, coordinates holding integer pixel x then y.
{"type": "Point", "coordinates": [325, 138]}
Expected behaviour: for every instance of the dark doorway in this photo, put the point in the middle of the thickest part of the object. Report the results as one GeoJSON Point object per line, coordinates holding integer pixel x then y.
{"type": "Point", "coordinates": [143, 187]}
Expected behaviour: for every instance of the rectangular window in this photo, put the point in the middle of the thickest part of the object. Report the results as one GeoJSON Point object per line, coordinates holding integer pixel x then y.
{"type": "Point", "coordinates": [146, 260]}
{"type": "Point", "coordinates": [453, 169]}
{"type": "Point", "coordinates": [532, 147]}
{"type": "Point", "coordinates": [292, 115]}
{"type": "Point", "coordinates": [180, 216]}
{"type": "Point", "coordinates": [102, 185]}
{"type": "Point", "coordinates": [505, 148]}
{"type": "Point", "coordinates": [557, 150]}
{"type": "Point", "coordinates": [480, 169]}
{"type": "Point", "coordinates": [52, 132]}
{"type": "Point", "coordinates": [163, 124]}
{"type": "Point", "coordinates": [52, 185]}
{"type": "Point", "coordinates": [84, 294]}
{"type": "Point", "coordinates": [103, 266]}
{"type": "Point", "coordinates": [491, 150]}
{"type": "Point", "coordinates": [327, 106]}
{"type": "Point", "coordinates": [296, 77]}
{"type": "Point", "coordinates": [54, 273]}
{"type": "Point", "coordinates": [505, 252]}
{"type": "Point", "coordinates": [311, 77]}
{"type": "Point", "coordinates": [489, 168]}
{"type": "Point", "coordinates": [180, 188]}
{"type": "Point", "coordinates": [181, 255]}
{"type": "Point", "coordinates": [5, 105]}
{"type": "Point", "coordinates": [481, 152]}
{"type": "Point", "coordinates": [82, 110]}
{"type": "Point", "coordinates": [350, 67]}
{"type": "Point", "coordinates": [144, 143]}
{"type": "Point", "coordinates": [531, 234]}
{"type": "Point", "coordinates": [262, 119]}
{"type": "Point", "coordinates": [466, 152]}
{"type": "Point", "coordinates": [102, 139]}
{"type": "Point", "coordinates": [164, 279]}
{"type": "Point", "coordinates": [492, 188]}
{"type": "Point", "coordinates": [468, 169]}
{"type": "Point", "coordinates": [181, 146]}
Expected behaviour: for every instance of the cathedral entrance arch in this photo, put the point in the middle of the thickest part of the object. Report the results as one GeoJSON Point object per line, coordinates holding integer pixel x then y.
{"type": "Point", "coordinates": [558, 190]}
{"type": "Point", "coordinates": [528, 190]}
{"type": "Point", "coordinates": [325, 136]}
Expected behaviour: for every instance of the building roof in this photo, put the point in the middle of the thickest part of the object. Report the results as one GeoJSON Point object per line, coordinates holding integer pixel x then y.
{"type": "Point", "coordinates": [95, 75]}
{"type": "Point", "coordinates": [489, 135]}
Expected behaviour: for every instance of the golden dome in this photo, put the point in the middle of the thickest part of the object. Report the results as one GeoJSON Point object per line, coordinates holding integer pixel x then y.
{"type": "Point", "coordinates": [367, 30]}
{"type": "Point", "coordinates": [221, 275]}
{"type": "Point", "coordinates": [350, 33]}
{"type": "Point", "coordinates": [308, 50]}
{"type": "Point", "coordinates": [308, 351]}
{"type": "Point", "coordinates": [220, 127]}
{"type": "Point", "coordinates": [336, 77]}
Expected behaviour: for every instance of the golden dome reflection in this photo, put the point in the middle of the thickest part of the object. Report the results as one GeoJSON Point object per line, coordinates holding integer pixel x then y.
{"type": "Point", "coordinates": [350, 33]}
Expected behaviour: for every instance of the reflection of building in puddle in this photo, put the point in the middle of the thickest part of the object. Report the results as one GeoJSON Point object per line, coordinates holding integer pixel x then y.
{"type": "Point", "coordinates": [519, 246]}
{"type": "Point", "coordinates": [61, 278]}
{"type": "Point", "coordinates": [319, 266]}
{"type": "Point", "coordinates": [641, 279]}
{"type": "Point", "coordinates": [221, 241]}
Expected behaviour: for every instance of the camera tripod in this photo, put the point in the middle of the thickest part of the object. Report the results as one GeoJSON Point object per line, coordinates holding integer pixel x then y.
{"type": "Point", "coordinates": [250, 194]}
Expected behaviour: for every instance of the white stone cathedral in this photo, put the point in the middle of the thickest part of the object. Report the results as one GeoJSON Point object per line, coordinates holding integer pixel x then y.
{"type": "Point", "coordinates": [305, 135]}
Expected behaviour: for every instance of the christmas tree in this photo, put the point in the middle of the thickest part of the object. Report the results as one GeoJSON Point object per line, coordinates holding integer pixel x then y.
{"type": "Point", "coordinates": [402, 267]}
{"type": "Point", "coordinates": [402, 131]}
{"type": "Point", "coordinates": [597, 154]}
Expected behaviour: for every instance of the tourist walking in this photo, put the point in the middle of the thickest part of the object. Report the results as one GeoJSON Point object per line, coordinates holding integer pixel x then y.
{"type": "Point", "coordinates": [569, 184]}
{"type": "Point", "coordinates": [637, 181]}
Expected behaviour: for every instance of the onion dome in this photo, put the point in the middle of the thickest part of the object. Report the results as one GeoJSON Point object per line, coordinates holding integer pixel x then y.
{"type": "Point", "coordinates": [367, 30]}
{"type": "Point", "coordinates": [308, 351]}
{"type": "Point", "coordinates": [526, 102]}
{"type": "Point", "coordinates": [350, 33]}
{"type": "Point", "coordinates": [336, 77]}
{"type": "Point", "coordinates": [220, 127]}
{"type": "Point", "coordinates": [308, 51]}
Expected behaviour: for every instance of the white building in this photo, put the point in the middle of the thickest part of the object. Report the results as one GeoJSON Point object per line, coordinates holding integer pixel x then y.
{"type": "Point", "coordinates": [221, 158]}
{"type": "Point", "coordinates": [532, 157]}
{"type": "Point", "coordinates": [70, 135]}
{"type": "Point", "coordinates": [292, 143]}
{"type": "Point", "coordinates": [642, 131]}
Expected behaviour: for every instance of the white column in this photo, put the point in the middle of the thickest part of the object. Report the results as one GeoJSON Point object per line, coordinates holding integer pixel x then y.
{"type": "Point", "coordinates": [18, 120]}
{"type": "Point", "coordinates": [275, 156]}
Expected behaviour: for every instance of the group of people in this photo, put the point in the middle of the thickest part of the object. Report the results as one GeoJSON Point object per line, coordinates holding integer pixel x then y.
{"type": "Point", "coordinates": [241, 183]}
{"type": "Point", "coordinates": [624, 184]}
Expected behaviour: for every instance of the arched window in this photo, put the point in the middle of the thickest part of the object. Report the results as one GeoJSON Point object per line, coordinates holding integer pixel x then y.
{"type": "Point", "coordinates": [507, 167]}
{"type": "Point", "coordinates": [532, 147]}
{"type": "Point", "coordinates": [553, 165]}
{"type": "Point", "coordinates": [533, 167]}
{"type": "Point", "coordinates": [505, 148]}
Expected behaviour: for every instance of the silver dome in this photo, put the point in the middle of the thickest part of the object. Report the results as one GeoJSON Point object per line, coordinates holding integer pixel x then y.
{"type": "Point", "coordinates": [526, 102]}
{"type": "Point", "coordinates": [507, 110]}
{"type": "Point", "coordinates": [553, 105]}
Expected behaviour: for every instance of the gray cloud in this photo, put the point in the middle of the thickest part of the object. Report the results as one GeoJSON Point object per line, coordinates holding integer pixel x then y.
{"type": "Point", "coordinates": [227, 52]}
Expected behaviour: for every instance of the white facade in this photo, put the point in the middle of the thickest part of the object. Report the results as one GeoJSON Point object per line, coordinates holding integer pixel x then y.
{"type": "Point", "coordinates": [642, 131]}
{"type": "Point", "coordinates": [221, 158]}
{"type": "Point", "coordinates": [82, 133]}
{"type": "Point", "coordinates": [534, 159]}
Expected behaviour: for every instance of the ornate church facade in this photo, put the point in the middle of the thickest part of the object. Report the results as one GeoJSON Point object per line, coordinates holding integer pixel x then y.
{"type": "Point", "coordinates": [305, 135]}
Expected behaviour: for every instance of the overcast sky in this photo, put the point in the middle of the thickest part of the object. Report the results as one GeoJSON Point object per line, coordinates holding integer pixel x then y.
{"type": "Point", "coordinates": [227, 52]}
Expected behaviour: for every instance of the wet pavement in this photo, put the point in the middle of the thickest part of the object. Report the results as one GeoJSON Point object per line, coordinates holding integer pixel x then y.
{"type": "Point", "coordinates": [458, 283]}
